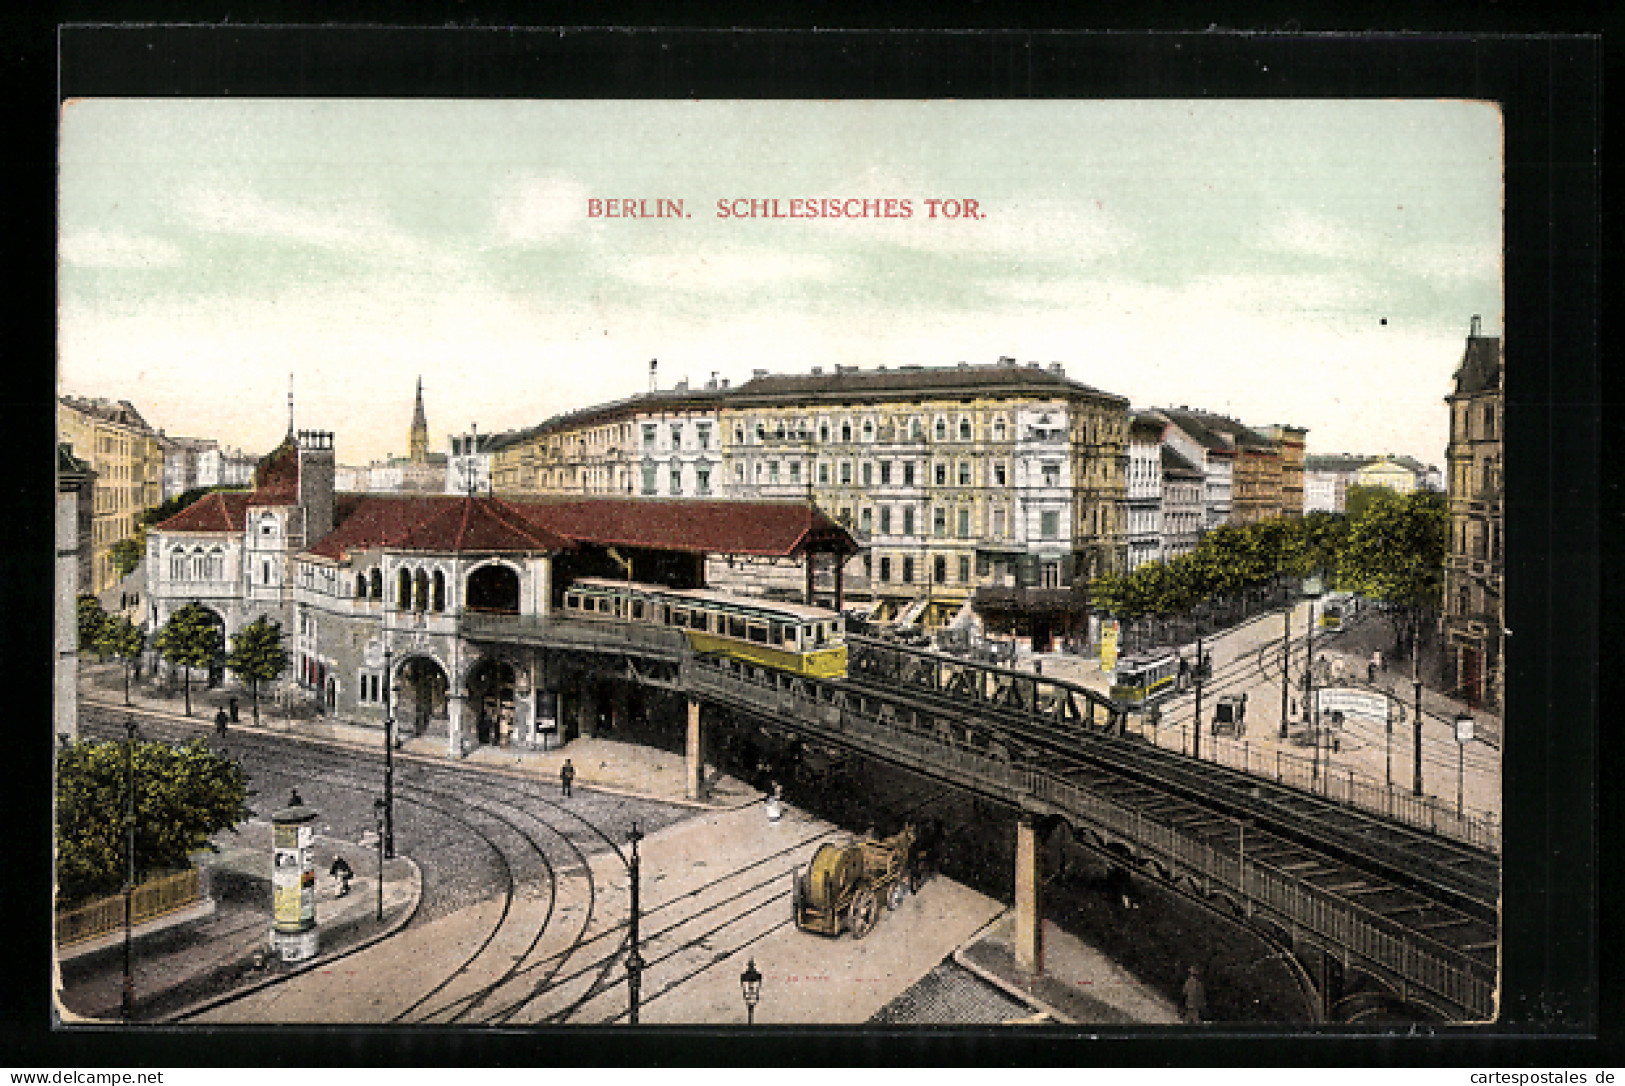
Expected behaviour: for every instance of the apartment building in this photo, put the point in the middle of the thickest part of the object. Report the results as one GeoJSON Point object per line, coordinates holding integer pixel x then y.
{"type": "Point", "coordinates": [128, 460]}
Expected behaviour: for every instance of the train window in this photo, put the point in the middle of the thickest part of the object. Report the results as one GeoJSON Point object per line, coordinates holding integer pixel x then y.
{"type": "Point", "coordinates": [775, 633]}
{"type": "Point", "coordinates": [736, 626]}
{"type": "Point", "coordinates": [697, 621]}
{"type": "Point", "coordinates": [637, 609]}
{"type": "Point", "coordinates": [604, 604]}
{"type": "Point", "coordinates": [757, 633]}
{"type": "Point", "coordinates": [679, 616]}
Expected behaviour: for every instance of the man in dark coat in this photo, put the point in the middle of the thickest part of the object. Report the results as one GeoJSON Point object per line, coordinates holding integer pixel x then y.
{"type": "Point", "coordinates": [567, 775]}
{"type": "Point", "coordinates": [1195, 996]}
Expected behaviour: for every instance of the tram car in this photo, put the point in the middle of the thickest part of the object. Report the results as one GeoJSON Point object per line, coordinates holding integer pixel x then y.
{"type": "Point", "coordinates": [1147, 678]}
{"type": "Point", "coordinates": [785, 636]}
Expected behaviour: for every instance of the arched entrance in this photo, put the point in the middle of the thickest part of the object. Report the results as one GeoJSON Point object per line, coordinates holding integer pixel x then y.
{"type": "Point", "coordinates": [491, 698]}
{"type": "Point", "coordinates": [422, 687]}
{"type": "Point", "coordinates": [217, 666]}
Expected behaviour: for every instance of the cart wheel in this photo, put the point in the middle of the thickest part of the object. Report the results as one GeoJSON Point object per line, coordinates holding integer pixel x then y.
{"type": "Point", "coordinates": [895, 895]}
{"type": "Point", "coordinates": [864, 911]}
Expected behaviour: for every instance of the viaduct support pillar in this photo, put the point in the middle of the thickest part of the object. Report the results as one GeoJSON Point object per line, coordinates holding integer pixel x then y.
{"type": "Point", "coordinates": [694, 768]}
{"type": "Point", "coordinates": [454, 724]}
{"type": "Point", "coordinates": [587, 721]}
{"type": "Point", "coordinates": [1029, 909]}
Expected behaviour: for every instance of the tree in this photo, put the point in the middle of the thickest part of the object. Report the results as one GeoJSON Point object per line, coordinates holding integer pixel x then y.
{"type": "Point", "coordinates": [91, 619]}
{"type": "Point", "coordinates": [183, 794]}
{"type": "Point", "coordinates": [128, 553]}
{"type": "Point", "coordinates": [1395, 552]}
{"type": "Point", "coordinates": [124, 639]}
{"type": "Point", "coordinates": [190, 638]}
{"type": "Point", "coordinates": [258, 655]}
{"type": "Point", "coordinates": [1358, 499]}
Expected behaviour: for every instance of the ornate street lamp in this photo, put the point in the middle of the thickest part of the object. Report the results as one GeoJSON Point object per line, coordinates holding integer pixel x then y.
{"type": "Point", "coordinates": [750, 985]}
{"type": "Point", "coordinates": [386, 832]}
{"type": "Point", "coordinates": [378, 816]}
{"type": "Point", "coordinates": [634, 960]}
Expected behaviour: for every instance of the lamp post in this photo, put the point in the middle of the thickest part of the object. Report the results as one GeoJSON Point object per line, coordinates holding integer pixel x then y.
{"type": "Point", "coordinates": [1464, 735]}
{"type": "Point", "coordinates": [1416, 724]}
{"type": "Point", "coordinates": [378, 824]}
{"type": "Point", "coordinates": [634, 959]}
{"type": "Point", "coordinates": [386, 833]}
{"type": "Point", "coordinates": [127, 996]}
{"type": "Point", "coordinates": [1196, 741]}
{"type": "Point", "coordinates": [750, 985]}
{"type": "Point", "coordinates": [1286, 658]}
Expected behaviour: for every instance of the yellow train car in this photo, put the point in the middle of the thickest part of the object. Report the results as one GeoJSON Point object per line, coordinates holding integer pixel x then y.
{"type": "Point", "coordinates": [784, 636]}
{"type": "Point", "coordinates": [1148, 678]}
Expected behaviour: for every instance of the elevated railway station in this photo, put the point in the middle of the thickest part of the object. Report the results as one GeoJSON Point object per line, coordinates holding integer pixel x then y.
{"type": "Point", "coordinates": [528, 623]}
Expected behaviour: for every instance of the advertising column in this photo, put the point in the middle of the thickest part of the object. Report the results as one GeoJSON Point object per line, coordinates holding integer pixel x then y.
{"type": "Point", "coordinates": [293, 882]}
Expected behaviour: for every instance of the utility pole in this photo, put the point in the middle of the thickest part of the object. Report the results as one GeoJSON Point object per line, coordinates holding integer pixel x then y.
{"type": "Point", "coordinates": [1416, 683]}
{"type": "Point", "coordinates": [127, 997]}
{"type": "Point", "coordinates": [1286, 657]}
{"type": "Point", "coordinates": [1196, 740]}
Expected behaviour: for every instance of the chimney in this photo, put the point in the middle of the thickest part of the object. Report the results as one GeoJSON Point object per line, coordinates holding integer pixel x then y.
{"type": "Point", "coordinates": [316, 481]}
{"type": "Point", "coordinates": [654, 364]}
{"type": "Point", "coordinates": [1473, 330]}
{"type": "Point", "coordinates": [1057, 369]}
{"type": "Point", "coordinates": [757, 375]}
{"type": "Point", "coordinates": [1006, 360]}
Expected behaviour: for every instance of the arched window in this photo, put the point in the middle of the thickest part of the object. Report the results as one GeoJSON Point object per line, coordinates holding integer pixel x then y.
{"type": "Point", "coordinates": [360, 586]}
{"type": "Point", "coordinates": [942, 430]}
{"type": "Point", "coordinates": [177, 565]}
{"type": "Point", "coordinates": [492, 588]}
{"type": "Point", "coordinates": [200, 565]}
{"type": "Point", "coordinates": [403, 590]}
{"type": "Point", "coordinates": [420, 591]}
{"type": "Point", "coordinates": [964, 429]}
{"type": "Point", "coordinates": [437, 598]}
{"type": "Point", "coordinates": [377, 584]}
{"type": "Point", "coordinates": [217, 564]}
{"type": "Point", "coordinates": [846, 431]}
{"type": "Point", "coordinates": [868, 429]}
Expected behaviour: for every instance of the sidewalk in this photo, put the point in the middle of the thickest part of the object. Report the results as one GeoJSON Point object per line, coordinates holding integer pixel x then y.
{"type": "Point", "coordinates": [180, 968]}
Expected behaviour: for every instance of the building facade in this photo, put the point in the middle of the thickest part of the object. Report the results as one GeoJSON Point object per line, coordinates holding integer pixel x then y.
{"type": "Point", "coordinates": [1183, 503]}
{"type": "Point", "coordinates": [1474, 616]}
{"type": "Point", "coordinates": [128, 461]}
{"type": "Point", "coordinates": [75, 515]}
{"type": "Point", "coordinates": [1144, 488]}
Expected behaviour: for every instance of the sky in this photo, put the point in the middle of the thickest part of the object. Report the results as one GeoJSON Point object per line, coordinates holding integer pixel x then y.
{"type": "Point", "coordinates": [1315, 263]}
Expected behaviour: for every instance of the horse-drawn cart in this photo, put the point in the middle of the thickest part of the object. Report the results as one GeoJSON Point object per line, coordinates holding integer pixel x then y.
{"type": "Point", "coordinates": [846, 884]}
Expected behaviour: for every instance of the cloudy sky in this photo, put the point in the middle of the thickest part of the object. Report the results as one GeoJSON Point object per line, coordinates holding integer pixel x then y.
{"type": "Point", "coordinates": [1309, 262]}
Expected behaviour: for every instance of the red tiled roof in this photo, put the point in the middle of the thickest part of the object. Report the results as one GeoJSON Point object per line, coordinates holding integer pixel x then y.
{"type": "Point", "coordinates": [778, 529]}
{"type": "Point", "coordinates": [220, 511]}
{"type": "Point", "coordinates": [276, 478]}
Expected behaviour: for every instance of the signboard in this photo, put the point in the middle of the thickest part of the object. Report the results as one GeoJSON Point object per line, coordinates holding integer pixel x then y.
{"type": "Point", "coordinates": [1464, 729]}
{"type": "Point", "coordinates": [1108, 645]}
{"type": "Point", "coordinates": [1352, 703]}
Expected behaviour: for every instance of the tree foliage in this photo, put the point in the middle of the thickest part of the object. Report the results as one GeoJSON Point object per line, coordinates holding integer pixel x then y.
{"type": "Point", "coordinates": [191, 638]}
{"type": "Point", "coordinates": [128, 553]}
{"type": "Point", "coordinates": [183, 794]}
{"type": "Point", "coordinates": [123, 639]}
{"type": "Point", "coordinates": [1395, 550]}
{"type": "Point", "coordinates": [91, 620]}
{"type": "Point", "coordinates": [258, 655]}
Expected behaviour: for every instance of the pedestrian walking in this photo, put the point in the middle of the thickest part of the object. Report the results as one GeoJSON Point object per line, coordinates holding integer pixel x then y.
{"type": "Point", "coordinates": [342, 871]}
{"type": "Point", "coordinates": [1195, 996]}
{"type": "Point", "coordinates": [1371, 671]}
{"type": "Point", "coordinates": [220, 722]}
{"type": "Point", "coordinates": [567, 776]}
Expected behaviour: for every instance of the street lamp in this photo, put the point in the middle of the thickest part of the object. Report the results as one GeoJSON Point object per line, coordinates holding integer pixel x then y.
{"type": "Point", "coordinates": [386, 833]}
{"type": "Point", "coordinates": [127, 996]}
{"type": "Point", "coordinates": [750, 984]}
{"type": "Point", "coordinates": [634, 960]}
{"type": "Point", "coordinates": [1464, 735]}
{"type": "Point", "coordinates": [378, 812]}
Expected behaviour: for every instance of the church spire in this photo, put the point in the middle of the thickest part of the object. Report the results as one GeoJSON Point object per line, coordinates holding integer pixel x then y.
{"type": "Point", "coordinates": [290, 405]}
{"type": "Point", "coordinates": [417, 439]}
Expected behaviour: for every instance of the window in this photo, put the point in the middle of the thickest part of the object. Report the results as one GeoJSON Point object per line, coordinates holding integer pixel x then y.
{"type": "Point", "coordinates": [998, 429]}
{"type": "Point", "coordinates": [942, 430]}
{"type": "Point", "coordinates": [964, 473]}
{"type": "Point", "coordinates": [964, 429]}
{"type": "Point", "coordinates": [885, 473]}
{"type": "Point", "coordinates": [998, 475]}
{"type": "Point", "coordinates": [677, 477]}
{"type": "Point", "coordinates": [772, 471]}
{"type": "Point", "coordinates": [702, 435]}
{"type": "Point", "coordinates": [964, 569]}
{"type": "Point", "coordinates": [649, 436]}
{"type": "Point", "coordinates": [866, 518]}
{"type": "Point", "coordinates": [908, 570]}
{"type": "Point", "coordinates": [376, 584]}
{"type": "Point", "coordinates": [885, 522]}
{"type": "Point", "coordinates": [916, 429]}
{"type": "Point", "coordinates": [702, 478]}
{"type": "Point", "coordinates": [739, 435]}
{"type": "Point", "coordinates": [795, 471]}
{"type": "Point", "coordinates": [1052, 474]}
{"type": "Point", "coordinates": [908, 520]}
{"type": "Point", "coordinates": [846, 473]}
{"type": "Point", "coordinates": [908, 473]}
{"type": "Point", "coordinates": [360, 586]}
{"type": "Point", "coordinates": [942, 474]}
{"type": "Point", "coordinates": [648, 477]}
{"type": "Point", "coordinates": [265, 573]}
{"type": "Point", "coordinates": [437, 593]}
{"type": "Point", "coordinates": [846, 431]}
{"type": "Point", "coordinates": [1049, 524]}
{"type": "Point", "coordinates": [868, 473]}
{"type": "Point", "coordinates": [939, 522]}
{"type": "Point", "coordinates": [939, 570]}
{"type": "Point", "coordinates": [998, 524]}
{"type": "Point", "coordinates": [823, 473]}
{"type": "Point", "coordinates": [964, 524]}
{"type": "Point", "coordinates": [823, 433]}
{"type": "Point", "coordinates": [677, 437]}
{"type": "Point", "coordinates": [885, 565]}
{"type": "Point", "coordinates": [177, 565]}
{"type": "Point", "coordinates": [868, 430]}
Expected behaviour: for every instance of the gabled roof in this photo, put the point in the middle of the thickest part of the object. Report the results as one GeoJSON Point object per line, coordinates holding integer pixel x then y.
{"type": "Point", "coordinates": [1480, 366]}
{"type": "Point", "coordinates": [218, 511]}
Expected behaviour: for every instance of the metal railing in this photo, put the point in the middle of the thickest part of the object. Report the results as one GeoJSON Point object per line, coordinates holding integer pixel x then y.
{"type": "Point", "coordinates": [1444, 972]}
{"type": "Point", "coordinates": [606, 635]}
{"type": "Point", "coordinates": [154, 898]}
